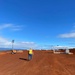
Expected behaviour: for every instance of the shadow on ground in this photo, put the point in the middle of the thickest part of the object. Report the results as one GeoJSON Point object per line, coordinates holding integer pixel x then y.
{"type": "Point", "coordinates": [23, 59]}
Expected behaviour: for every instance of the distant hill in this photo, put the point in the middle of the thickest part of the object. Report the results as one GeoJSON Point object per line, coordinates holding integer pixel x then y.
{"type": "Point", "coordinates": [2, 49]}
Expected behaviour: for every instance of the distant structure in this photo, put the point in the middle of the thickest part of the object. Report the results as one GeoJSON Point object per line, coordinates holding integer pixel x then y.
{"type": "Point", "coordinates": [66, 51]}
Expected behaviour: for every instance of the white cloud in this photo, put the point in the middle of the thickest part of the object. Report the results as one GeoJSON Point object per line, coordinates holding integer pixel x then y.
{"type": "Point", "coordinates": [16, 29]}
{"type": "Point", "coordinates": [11, 27]}
{"type": "Point", "coordinates": [8, 44]}
{"type": "Point", "coordinates": [29, 45]}
{"type": "Point", "coordinates": [62, 47]}
{"type": "Point", "coordinates": [4, 42]}
{"type": "Point", "coordinates": [27, 42]}
{"type": "Point", "coordinates": [71, 33]}
{"type": "Point", "coordinates": [67, 35]}
{"type": "Point", "coordinates": [4, 26]}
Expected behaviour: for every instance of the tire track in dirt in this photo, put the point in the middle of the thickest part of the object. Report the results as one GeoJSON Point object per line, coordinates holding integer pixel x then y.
{"type": "Point", "coordinates": [43, 63]}
{"type": "Point", "coordinates": [68, 63]}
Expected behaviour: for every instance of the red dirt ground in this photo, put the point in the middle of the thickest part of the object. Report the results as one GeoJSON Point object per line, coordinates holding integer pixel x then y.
{"type": "Point", "coordinates": [43, 63]}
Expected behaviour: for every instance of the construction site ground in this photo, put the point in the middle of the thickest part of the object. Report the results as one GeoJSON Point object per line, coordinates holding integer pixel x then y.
{"type": "Point", "coordinates": [43, 63]}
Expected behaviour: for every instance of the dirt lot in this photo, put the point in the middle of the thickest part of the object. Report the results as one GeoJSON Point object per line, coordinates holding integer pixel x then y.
{"type": "Point", "coordinates": [43, 63]}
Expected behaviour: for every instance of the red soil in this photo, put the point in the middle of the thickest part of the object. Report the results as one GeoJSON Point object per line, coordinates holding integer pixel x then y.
{"type": "Point", "coordinates": [43, 63]}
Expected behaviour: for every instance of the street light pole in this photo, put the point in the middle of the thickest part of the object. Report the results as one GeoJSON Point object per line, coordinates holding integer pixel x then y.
{"type": "Point", "coordinates": [12, 44]}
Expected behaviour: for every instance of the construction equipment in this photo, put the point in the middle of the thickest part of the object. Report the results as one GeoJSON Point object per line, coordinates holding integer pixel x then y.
{"type": "Point", "coordinates": [13, 52]}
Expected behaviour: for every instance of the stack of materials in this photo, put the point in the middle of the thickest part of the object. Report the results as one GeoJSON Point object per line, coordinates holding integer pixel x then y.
{"type": "Point", "coordinates": [20, 51]}
{"type": "Point", "coordinates": [68, 51]}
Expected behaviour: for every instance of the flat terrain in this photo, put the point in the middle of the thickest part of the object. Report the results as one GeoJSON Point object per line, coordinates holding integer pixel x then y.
{"type": "Point", "coordinates": [43, 63]}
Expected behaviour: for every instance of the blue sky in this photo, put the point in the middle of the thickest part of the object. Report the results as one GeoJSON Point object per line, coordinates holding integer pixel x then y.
{"type": "Point", "coordinates": [37, 23]}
